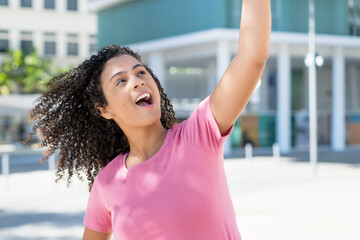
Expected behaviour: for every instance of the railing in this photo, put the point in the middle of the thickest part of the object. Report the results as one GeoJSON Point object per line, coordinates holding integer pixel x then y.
{"type": "Point", "coordinates": [7, 151]}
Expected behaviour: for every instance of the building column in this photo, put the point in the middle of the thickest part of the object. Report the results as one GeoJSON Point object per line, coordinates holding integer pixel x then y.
{"type": "Point", "coordinates": [264, 96]}
{"type": "Point", "coordinates": [38, 38]}
{"type": "Point", "coordinates": [38, 5]}
{"type": "Point", "coordinates": [223, 59]}
{"type": "Point", "coordinates": [14, 39]}
{"type": "Point", "coordinates": [83, 41]}
{"type": "Point", "coordinates": [211, 77]}
{"type": "Point", "coordinates": [283, 126]}
{"type": "Point", "coordinates": [14, 4]}
{"type": "Point", "coordinates": [82, 6]}
{"type": "Point", "coordinates": [60, 6]}
{"type": "Point", "coordinates": [61, 42]}
{"type": "Point", "coordinates": [157, 65]}
{"type": "Point", "coordinates": [338, 101]}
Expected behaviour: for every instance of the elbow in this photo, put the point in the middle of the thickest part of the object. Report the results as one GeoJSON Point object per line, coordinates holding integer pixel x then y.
{"type": "Point", "coordinates": [260, 59]}
{"type": "Point", "coordinates": [262, 56]}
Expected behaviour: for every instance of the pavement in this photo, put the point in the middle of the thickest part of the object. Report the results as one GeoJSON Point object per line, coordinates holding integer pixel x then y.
{"type": "Point", "coordinates": [274, 199]}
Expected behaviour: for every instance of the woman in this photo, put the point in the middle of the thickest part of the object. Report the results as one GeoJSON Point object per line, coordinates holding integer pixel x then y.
{"type": "Point", "coordinates": [111, 119]}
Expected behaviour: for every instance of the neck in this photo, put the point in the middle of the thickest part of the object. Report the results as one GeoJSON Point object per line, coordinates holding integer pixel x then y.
{"type": "Point", "coordinates": [144, 143]}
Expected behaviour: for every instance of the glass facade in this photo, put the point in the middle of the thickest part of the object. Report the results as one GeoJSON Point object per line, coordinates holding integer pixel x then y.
{"type": "Point", "coordinates": [354, 17]}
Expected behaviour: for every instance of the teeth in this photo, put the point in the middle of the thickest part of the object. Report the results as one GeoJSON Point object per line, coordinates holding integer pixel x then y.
{"type": "Point", "coordinates": [145, 96]}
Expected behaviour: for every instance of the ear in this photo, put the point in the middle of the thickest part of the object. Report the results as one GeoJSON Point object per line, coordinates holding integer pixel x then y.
{"type": "Point", "coordinates": [105, 113]}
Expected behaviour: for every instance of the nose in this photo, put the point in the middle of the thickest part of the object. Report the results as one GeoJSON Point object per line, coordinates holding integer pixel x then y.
{"type": "Point", "coordinates": [137, 82]}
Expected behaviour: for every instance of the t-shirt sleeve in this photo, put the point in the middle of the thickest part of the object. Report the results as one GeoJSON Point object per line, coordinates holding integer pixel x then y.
{"type": "Point", "coordinates": [202, 130]}
{"type": "Point", "coordinates": [97, 217]}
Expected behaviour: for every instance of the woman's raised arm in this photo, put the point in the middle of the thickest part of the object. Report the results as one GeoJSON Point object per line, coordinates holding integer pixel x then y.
{"type": "Point", "coordinates": [240, 78]}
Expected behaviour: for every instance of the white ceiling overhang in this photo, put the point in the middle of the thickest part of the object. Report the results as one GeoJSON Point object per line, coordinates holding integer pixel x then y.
{"type": "Point", "coordinates": [17, 103]}
{"type": "Point", "coordinates": [219, 34]}
{"type": "Point", "coordinates": [98, 5]}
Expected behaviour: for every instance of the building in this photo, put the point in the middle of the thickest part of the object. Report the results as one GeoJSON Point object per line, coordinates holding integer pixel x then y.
{"type": "Point", "coordinates": [62, 30]}
{"type": "Point", "coordinates": [190, 43]}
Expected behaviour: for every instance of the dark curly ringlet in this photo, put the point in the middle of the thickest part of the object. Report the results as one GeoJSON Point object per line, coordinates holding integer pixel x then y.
{"type": "Point", "coordinates": [68, 119]}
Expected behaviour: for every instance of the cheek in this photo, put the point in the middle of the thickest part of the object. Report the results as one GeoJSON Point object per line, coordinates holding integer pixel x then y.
{"type": "Point", "coordinates": [116, 102]}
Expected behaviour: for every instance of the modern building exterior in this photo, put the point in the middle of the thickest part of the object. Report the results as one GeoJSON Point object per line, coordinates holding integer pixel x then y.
{"type": "Point", "coordinates": [190, 43]}
{"type": "Point", "coordinates": [62, 30]}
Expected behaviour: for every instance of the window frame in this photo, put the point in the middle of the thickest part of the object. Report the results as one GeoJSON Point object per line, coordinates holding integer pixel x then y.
{"type": "Point", "coordinates": [46, 6]}
{"type": "Point", "coordinates": [4, 38]}
{"type": "Point", "coordinates": [26, 38]}
{"type": "Point", "coordinates": [26, 3]}
{"type": "Point", "coordinates": [4, 3]}
{"type": "Point", "coordinates": [49, 39]}
{"type": "Point", "coordinates": [72, 43]}
{"type": "Point", "coordinates": [72, 5]}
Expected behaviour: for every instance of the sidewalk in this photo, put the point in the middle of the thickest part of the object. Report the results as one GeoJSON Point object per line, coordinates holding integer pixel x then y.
{"type": "Point", "coordinates": [273, 200]}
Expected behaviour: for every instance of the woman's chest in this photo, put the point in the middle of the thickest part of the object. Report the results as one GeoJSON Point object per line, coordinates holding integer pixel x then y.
{"type": "Point", "coordinates": [181, 200]}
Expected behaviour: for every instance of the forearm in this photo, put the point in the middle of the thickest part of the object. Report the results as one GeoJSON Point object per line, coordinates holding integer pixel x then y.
{"type": "Point", "coordinates": [255, 28]}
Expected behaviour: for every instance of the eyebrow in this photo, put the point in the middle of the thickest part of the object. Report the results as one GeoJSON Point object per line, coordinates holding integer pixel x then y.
{"type": "Point", "coordinates": [122, 72]}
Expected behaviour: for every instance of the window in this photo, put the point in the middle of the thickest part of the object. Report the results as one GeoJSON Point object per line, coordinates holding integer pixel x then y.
{"type": "Point", "coordinates": [26, 42]}
{"type": "Point", "coordinates": [354, 17]}
{"type": "Point", "coordinates": [92, 45]}
{"type": "Point", "coordinates": [49, 4]}
{"type": "Point", "coordinates": [26, 3]}
{"type": "Point", "coordinates": [4, 3]}
{"type": "Point", "coordinates": [72, 45]}
{"type": "Point", "coordinates": [4, 40]}
{"type": "Point", "coordinates": [72, 5]}
{"type": "Point", "coordinates": [49, 44]}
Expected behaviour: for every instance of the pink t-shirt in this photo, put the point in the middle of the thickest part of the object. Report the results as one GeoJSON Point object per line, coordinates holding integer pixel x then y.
{"type": "Point", "coordinates": [180, 193]}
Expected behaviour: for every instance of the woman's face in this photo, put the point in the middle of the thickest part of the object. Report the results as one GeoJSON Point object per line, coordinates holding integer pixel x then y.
{"type": "Point", "coordinates": [133, 98]}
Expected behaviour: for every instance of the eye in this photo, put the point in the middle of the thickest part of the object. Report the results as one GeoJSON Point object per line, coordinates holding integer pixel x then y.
{"type": "Point", "coordinates": [140, 73]}
{"type": "Point", "coordinates": [120, 81]}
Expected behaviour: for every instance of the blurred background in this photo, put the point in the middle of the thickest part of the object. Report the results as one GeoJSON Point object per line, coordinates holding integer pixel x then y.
{"type": "Point", "coordinates": [189, 44]}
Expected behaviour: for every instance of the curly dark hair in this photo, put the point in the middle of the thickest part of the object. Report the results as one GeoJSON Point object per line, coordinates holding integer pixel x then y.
{"type": "Point", "coordinates": [68, 119]}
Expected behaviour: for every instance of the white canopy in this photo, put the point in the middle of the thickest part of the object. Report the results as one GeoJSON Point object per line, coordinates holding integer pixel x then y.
{"type": "Point", "coordinates": [15, 104]}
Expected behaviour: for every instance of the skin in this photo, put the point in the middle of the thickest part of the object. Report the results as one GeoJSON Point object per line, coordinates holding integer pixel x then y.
{"type": "Point", "coordinates": [123, 80]}
{"type": "Point", "coordinates": [143, 128]}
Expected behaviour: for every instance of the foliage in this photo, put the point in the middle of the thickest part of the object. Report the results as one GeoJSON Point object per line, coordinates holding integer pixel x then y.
{"type": "Point", "coordinates": [25, 73]}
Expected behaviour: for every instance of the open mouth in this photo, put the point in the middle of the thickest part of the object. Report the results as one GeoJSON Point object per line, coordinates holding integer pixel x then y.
{"type": "Point", "coordinates": [144, 100]}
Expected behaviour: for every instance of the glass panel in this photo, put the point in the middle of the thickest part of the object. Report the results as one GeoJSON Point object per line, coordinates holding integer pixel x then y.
{"type": "Point", "coordinates": [4, 3]}
{"type": "Point", "coordinates": [49, 4]}
{"type": "Point", "coordinates": [72, 5]}
{"type": "Point", "coordinates": [50, 48]}
{"type": "Point", "coordinates": [354, 17]}
{"type": "Point", "coordinates": [26, 46]}
{"type": "Point", "coordinates": [26, 3]}
{"type": "Point", "coordinates": [72, 49]}
{"type": "Point", "coordinates": [92, 45]}
{"type": "Point", "coordinates": [4, 45]}
{"type": "Point", "coordinates": [353, 128]}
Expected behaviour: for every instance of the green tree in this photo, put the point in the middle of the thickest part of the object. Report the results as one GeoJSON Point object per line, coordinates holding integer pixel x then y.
{"type": "Point", "coordinates": [25, 73]}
